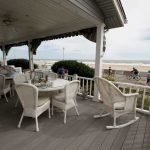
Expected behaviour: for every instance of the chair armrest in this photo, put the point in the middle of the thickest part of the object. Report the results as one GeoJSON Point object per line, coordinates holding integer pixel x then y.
{"type": "Point", "coordinates": [131, 94]}
{"type": "Point", "coordinates": [130, 101]}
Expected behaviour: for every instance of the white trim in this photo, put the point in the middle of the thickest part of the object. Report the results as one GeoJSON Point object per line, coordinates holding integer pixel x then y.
{"type": "Point", "coordinates": [119, 12]}
{"type": "Point", "coordinates": [98, 57]}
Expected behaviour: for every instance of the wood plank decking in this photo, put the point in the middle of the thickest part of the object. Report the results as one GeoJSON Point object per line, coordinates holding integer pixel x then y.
{"type": "Point", "coordinates": [80, 133]}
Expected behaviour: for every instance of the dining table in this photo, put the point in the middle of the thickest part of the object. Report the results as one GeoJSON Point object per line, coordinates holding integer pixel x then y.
{"type": "Point", "coordinates": [52, 85]}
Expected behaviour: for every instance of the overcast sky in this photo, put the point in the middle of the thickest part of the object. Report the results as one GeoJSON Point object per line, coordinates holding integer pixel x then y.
{"type": "Point", "coordinates": [131, 42]}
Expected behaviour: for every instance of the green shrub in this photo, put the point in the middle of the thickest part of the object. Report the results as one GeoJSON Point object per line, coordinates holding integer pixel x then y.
{"type": "Point", "coordinates": [24, 63]}
{"type": "Point", "coordinates": [74, 67]}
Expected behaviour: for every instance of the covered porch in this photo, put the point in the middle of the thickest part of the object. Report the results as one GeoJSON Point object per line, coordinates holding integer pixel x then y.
{"type": "Point", "coordinates": [31, 22]}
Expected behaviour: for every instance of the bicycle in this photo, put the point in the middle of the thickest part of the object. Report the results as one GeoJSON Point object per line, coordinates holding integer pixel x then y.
{"type": "Point", "coordinates": [136, 77]}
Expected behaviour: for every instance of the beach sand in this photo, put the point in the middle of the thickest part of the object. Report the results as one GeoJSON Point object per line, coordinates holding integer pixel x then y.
{"type": "Point", "coordinates": [115, 66]}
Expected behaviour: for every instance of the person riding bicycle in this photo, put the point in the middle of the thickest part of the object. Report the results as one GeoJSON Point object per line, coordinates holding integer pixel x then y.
{"type": "Point", "coordinates": [148, 78]}
{"type": "Point", "coordinates": [135, 72]}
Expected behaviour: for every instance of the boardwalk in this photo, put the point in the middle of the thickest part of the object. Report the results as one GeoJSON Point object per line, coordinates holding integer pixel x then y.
{"type": "Point", "coordinates": [80, 133]}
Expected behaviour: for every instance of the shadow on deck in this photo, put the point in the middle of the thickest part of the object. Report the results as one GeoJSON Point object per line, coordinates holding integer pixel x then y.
{"type": "Point", "coordinates": [80, 133]}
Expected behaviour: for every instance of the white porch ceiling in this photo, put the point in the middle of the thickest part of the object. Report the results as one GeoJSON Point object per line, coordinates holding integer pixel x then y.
{"type": "Point", "coordinates": [22, 20]}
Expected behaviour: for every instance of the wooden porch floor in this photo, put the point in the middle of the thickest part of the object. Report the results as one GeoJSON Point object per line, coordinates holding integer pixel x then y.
{"type": "Point", "coordinates": [80, 133]}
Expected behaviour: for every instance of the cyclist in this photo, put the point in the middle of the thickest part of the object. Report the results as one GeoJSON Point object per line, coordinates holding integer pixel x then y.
{"type": "Point", "coordinates": [135, 72]}
{"type": "Point", "coordinates": [148, 78]}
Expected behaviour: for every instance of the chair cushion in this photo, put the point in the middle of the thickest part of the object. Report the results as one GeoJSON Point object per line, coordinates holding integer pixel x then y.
{"type": "Point", "coordinates": [59, 97]}
{"type": "Point", "coordinates": [42, 100]}
{"type": "Point", "coordinates": [119, 105]}
{"type": "Point", "coordinates": [62, 105]}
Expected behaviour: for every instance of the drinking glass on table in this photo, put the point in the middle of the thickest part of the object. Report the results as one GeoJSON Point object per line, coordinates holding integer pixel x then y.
{"type": "Point", "coordinates": [49, 79]}
{"type": "Point", "coordinates": [29, 81]}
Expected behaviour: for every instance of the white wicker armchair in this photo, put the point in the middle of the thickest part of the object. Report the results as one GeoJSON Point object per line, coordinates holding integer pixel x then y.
{"type": "Point", "coordinates": [115, 102]}
{"type": "Point", "coordinates": [20, 78]}
{"type": "Point", "coordinates": [33, 106]}
{"type": "Point", "coordinates": [51, 75]}
{"type": "Point", "coordinates": [4, 88]}
{"type": "Point", "coordinates": [67, 99]}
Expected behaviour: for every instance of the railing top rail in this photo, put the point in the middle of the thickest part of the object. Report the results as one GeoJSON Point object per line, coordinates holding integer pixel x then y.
{"type": "Point", "coordinates": [85, 78]}
{"type": "Point", "coordinates": [132, 85]}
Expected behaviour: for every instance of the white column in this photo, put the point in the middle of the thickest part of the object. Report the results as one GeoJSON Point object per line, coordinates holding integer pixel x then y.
{"type": "Point", "coordinates": [30, 57]}
{"type": "Point", "coordinates": [98, 57]}
{"type": "Point", "coordinates": [4, 56]}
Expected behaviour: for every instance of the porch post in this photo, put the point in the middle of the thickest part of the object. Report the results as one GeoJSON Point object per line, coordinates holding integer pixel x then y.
{"type": "Point", "coordinates": [30, 57]}
{"type": "Point", "coordinates": [98, 57]}
{"type": "Point", "coordinates": [4, 56]}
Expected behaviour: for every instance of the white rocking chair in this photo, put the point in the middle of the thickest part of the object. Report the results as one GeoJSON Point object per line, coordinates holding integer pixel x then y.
{"type": "Point", "coordinates": [115, 102]}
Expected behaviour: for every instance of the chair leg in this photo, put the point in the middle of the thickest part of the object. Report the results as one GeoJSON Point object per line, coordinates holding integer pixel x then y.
{"type": "Point", "coordinates": [114, 121]}
{"type": "Point", "coordinates": [76, 110]}
{"type": "Point", "coordinates": [13, 92]}
{"type": "Point", "coordinates": [10, 93]}
{"type": "Point", "coordinates": [6, 98]}
{"type": "Point", "coordinates": [75, 101]}
{"type": "Point", "coordinates": [19, 125]}
{"type": "Point", "coordinates": [65, 114]}
{"type": "Point", "coordinates": [49, 113]}
{"type": "Point", "coordinates": [52, 109]}
{"type": "Point", "coordinates": [16, 103]}
{"type": "Point", "coordinates": [36, 122]}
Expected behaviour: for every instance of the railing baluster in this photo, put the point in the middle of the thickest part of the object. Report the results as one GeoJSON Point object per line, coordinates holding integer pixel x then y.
{"type": "Point", "coordinates": [87, 90]}
{"type": "Point", "coordinates": [143, 99]}
{"type": "Point", "coordinates": [90, 93]}
{"type": "Point", "coordinates": [80, 85]}
{"type": "Point", "coordinates": [123, 89]}
{"type": "Point", "coordinates": [83, 84]}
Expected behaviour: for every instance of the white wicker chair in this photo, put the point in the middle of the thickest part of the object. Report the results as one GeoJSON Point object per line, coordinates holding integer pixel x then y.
{"type": "Point", "coordinates": [50, 75]}
{"type": "Point", "coordinates": [4, 88]}
{"type": "Point", "coordinates": [21, 78]}
{"type": "Point", "coordinates": [33, 106]}
{"type": "Point", "coordinates": [67, 99]}
{"type": "Point", "coordinates": [115, 102]}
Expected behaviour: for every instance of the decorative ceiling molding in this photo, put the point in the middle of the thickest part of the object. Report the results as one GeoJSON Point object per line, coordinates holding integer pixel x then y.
{"type": "Point", "coordinates": [34, 45]}
{"type": "Point", "coordinates": [89, 33]}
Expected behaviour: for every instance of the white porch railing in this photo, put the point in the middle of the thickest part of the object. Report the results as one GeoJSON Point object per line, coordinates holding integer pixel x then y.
{"type": "Point", "coordinates": [86, 86]}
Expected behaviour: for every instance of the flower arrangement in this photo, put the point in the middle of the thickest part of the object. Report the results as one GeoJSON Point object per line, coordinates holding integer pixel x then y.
{"type": "Point", "coordinates": [7, 70]}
